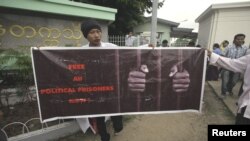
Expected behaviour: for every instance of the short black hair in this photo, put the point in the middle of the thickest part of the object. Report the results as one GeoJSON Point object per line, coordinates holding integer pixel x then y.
{"type": "Point", "coordinates": [225, 41]}
{"type": "Point", "coordinates": [216, 45]}
{"type": "Point", "coordinates": [238, 35]}
{"type": "Point", "coordinates": [165, 41]}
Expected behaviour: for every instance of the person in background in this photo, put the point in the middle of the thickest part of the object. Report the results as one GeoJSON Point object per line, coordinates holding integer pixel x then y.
{"type": "Point", "coordinates": [216, 49]}
{"type": "Point", "coordinates": [213, 71]}
{"type": "Point", "coordinates": [93, 33]}
{"type": "Point", "coordinates": [223, 45]}
{"type": "Point", "coordinates": [129, 39]}
{"type": "Point", "coordinates": [240, 65]}
{"type": "Point", "coordinates": [164, 43]}
{"type": "Point", "coordinates": [234, 51]}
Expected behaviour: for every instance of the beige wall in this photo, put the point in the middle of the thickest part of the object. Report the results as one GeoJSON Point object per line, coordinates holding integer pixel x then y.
{"type": "Point", "coordinates": [163, 28]}
{"type": "Point", "coordinates": [223, 24]}
{"type": "Point", "coordinates": [203, 34]}
{"type": "Point", "coordinates": [231, 22]}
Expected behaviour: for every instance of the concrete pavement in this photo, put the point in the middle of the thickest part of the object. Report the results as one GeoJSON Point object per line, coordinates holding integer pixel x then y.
{"type": "Point", "coordinates": [229, 101]}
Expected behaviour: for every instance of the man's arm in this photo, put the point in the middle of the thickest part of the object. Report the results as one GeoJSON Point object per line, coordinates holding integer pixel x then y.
{"type": "Point", "coordinates": [236, 65]}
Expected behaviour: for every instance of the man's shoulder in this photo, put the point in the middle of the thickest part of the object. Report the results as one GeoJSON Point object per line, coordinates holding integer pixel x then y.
{"type": "Point", "coordinates": [245, 47]}
{"type": "Point", "coordinates": [231, 46]}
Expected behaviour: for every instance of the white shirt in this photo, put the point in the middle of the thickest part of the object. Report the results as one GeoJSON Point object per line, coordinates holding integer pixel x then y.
{"type": "Point", "coordinates": [248, 51]}
{"type": "Point", "coordinates": [129, 40]}
{"type": "Point", "coordinates": [241, 65]}
{"type": "Point", "coordinates": [84, 122]}
{"type": "Point", "coordinates": [103, 44]}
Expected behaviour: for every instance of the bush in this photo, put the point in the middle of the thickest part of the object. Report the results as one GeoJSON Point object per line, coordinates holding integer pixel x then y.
{"type": "Point", "coordinates": [15, 70]}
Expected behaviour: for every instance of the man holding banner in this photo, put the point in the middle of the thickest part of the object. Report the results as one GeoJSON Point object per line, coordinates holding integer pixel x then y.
{"type": "Point", "coordinates": [92, 32]}
{"type": "Point", "coordinates": [94, 81]}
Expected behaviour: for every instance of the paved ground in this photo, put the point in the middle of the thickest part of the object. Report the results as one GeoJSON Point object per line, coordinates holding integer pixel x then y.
{"type": "Point", "coordinates": [174, 126]}
{"type": "Point", "coordinates": [229, 101]}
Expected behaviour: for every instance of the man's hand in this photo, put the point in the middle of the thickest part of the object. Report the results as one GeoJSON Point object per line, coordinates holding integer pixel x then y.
{"type": "Point", "coordinates": [180, 80]}
{"type": "Point", "coordinates": [136, 81]}
{"type": "Point", "coordinates": [208, 52]}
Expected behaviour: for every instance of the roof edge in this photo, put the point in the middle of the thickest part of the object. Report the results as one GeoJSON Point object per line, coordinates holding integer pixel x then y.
{"type": "Point", "coordinates": [213, 7]}
{"type": "Point", "coordinates": [83, 5]}
{"type": "Point", "coordinates": [62, 7]}
{"type": "Point", "coordinates": [163, 21]}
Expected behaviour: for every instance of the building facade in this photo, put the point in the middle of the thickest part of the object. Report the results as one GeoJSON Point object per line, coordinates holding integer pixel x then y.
{"type": "Point", "coordinates": [48, 22]}
{"type": "Point", "coordinates": [164, 28]}
{"type": "Point", "coordinates": [222, 21]}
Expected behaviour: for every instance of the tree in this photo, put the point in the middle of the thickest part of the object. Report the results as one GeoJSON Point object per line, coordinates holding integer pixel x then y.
{"type": "Point", "coordinates": [129, 13]}
{"type": "Point", "coordinates": [15, 72]}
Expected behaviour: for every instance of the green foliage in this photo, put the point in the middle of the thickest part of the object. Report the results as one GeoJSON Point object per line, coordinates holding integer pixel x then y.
{"type": "Point", "coordinates": [15, 67]}
{"type": "Point", "coordinates": [129, 13]}
{"type": "Point", "coordinates": [15, 71]}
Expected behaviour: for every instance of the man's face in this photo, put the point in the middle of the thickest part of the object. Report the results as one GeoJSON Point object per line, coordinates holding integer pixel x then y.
{"type": "Point", "coordinates": [94, 37]}
{"type": "Point", "coordinates": [239, 40]}
{"type": "Point", "coordinates": [225, 44]}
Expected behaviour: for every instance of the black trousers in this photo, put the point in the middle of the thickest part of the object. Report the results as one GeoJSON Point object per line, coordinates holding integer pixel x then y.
{"type": "Point", "coordinates": [240, 119]}
{"type": "Point", "coordinates": [101, 126]}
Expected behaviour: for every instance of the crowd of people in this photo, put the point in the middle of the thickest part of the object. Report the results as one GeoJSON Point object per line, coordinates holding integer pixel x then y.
{"type": "Point", "coordinates": [132, 41]}
{"type": "Point", "coordinates": [229, 78]}
{"type": "Point", "coordinates": [232, 61]}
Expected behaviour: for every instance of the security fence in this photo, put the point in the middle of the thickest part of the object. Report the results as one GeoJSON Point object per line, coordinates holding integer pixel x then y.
{"type": "Point", "coordinates": [119, 40]}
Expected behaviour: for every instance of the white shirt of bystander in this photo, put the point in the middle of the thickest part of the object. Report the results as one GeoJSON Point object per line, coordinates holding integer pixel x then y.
{"type": "Point", "coordinates": [103, 44]}
{"type": "Point", "coordinates": [129, 40]}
